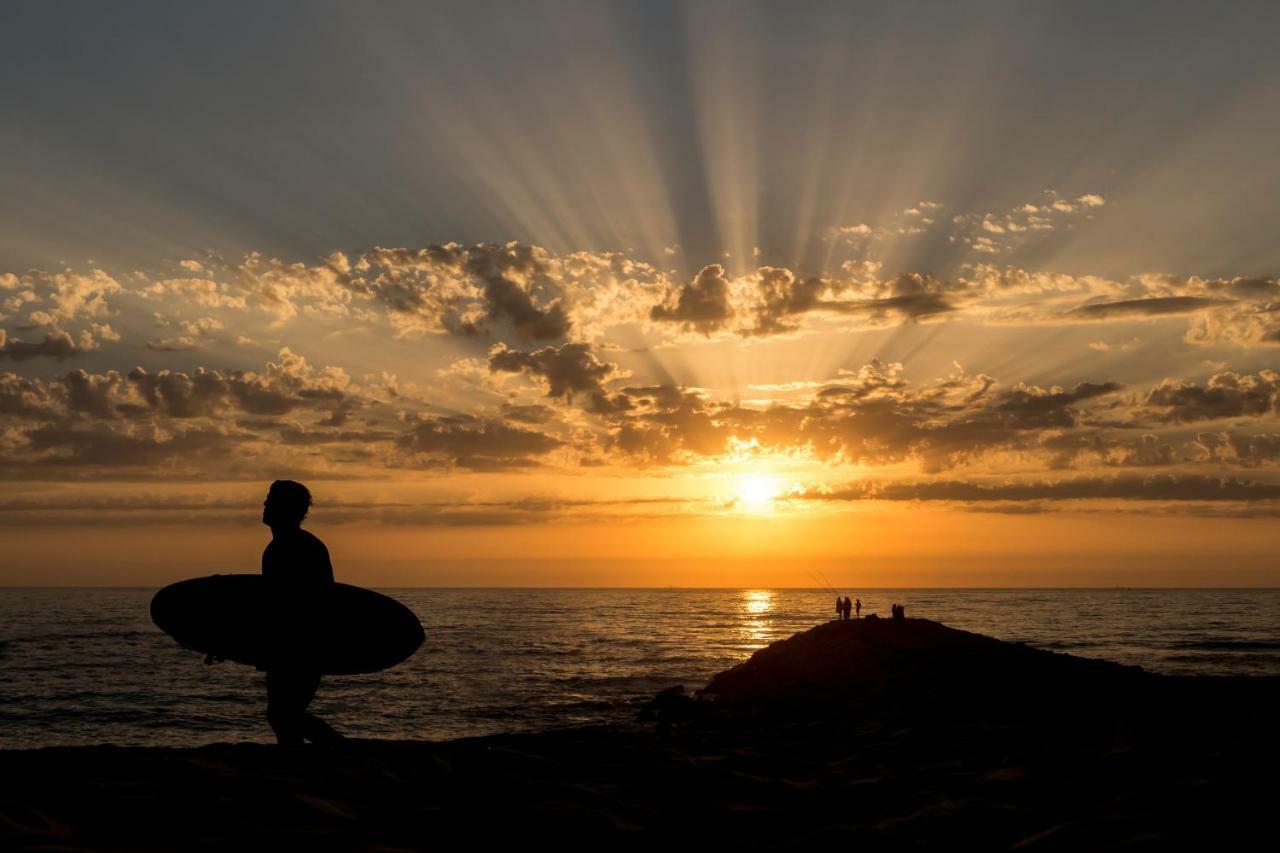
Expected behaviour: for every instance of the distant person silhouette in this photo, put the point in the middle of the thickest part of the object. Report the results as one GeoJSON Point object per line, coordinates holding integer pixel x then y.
{"type": "Point", "coordinates": [297, 564]}
{"type": "Point", "coordinates": [839, 608]}
{"type": "Point", "coordinates": [848, 606]}
{"type": "Point", "coordinates": [857, 606]}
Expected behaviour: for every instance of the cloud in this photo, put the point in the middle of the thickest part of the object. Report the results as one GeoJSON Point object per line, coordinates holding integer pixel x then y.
{"type": "Point", "coordinates": [512, 293]}
{"type": "Point", "coordinates": [284, 386]}
{"type": "Point", "coordinates": [1002, 232]}
{"type": "Point", "coordinates": [783, 299]}
{"type": "Point", "coordinates": [203, 292]}
{"type": "Point", "coordinates": [166, 421]}
{"type": "Point", "coordinates": [1118, 346]}
{"type": "Point", "coordinates": [566, 371]}
{"type": "Point", "coordinates": [524, 295]}
{"type": "Point", "coordinates": [1225, 395]}
{"type": "Point", "coordinates": [1152, 307]}
{"type": "Point", "coordinates": [1032, 407]}
{"type": "Point", "coordinates": [54, 508]}
{"type": "Point", "coordinates": [576, 358]}
{"type": "Point", "coordinates": [528, 414]}
{"type": "Point", "coordinates": [26, 399]}
{"type": "Point", "coordinates": [510, 278]}
{"type": "Point", "coordinates": [1248, 450]}
{"type": "Point", "coordinates": [69, 295]}
{"type": "Point", "coordinates": [872, 417]}
{"type": "Point", "coordinates": [475, 442]}
{"type": "Point", "coordinates": [84, 447]}
{"type": "Point", "coordinates": [56, 345]}
{"type": "Point", "coordinates": [1243, 324]}
{"type": "Point", "coordinates": [702, 305]}
{"type": "Point", "coordinates": [1170, 487]}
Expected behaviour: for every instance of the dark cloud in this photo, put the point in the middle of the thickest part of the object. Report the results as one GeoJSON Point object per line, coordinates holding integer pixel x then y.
{"type": "Point", "coordinates": [203, 393]}
{"type": "Point", "coordinates": [1226, 395]}
{"type": "Point", "coordinates": [1170, 487]}
{"type": "Point", "coordinates": [1150, 307]}
{"type": "Point", "coordinates": [481, 291]}
{"type": "Point", "coordinates": [663, 424]}
{"type": "Point", "coordinates": [475, 442]}
{"type": "Point", "coordinates": [57, 345]}
{"type": "Point", "coordinates": [1030, 407]}
{"type": "Point", "coordinates": [510, 301]}
{"type": "Point", "coordinates": [1095, 448]}
{"type": "Point", "coordinates": [294, 435]}
{"type": "Point", "coordinates": [96, 395]}
{"type": "Point", "coordinates": [170, 422]}
{"type": "Point", "coordinates": [24, 398]}
{"type": "Point", "coordinates": [99, 445]}
{"type": "Point", "coordinates": [784, 298]}
{"type": "Point", "coordinates": [567, 371]}
{"type": "Point", "coordinates": [702, 305]}
{"type": "Point", "coordinates": [909, 295]}
{"type": "Point", "coordinates": [528, 414]}
{"type": "Point", "coordinates": [282, 388]}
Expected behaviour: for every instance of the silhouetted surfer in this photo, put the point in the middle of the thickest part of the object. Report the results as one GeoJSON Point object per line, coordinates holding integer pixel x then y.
{"type": "Point", "coordinates": [297, 563]}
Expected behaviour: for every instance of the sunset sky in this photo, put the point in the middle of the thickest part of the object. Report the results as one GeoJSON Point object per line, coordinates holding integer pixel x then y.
{"type": "Point", "coordinates": [643, 294]}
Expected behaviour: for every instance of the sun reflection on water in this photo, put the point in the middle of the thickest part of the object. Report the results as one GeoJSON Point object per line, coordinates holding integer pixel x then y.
{"type": "Point", "coordinates": [757, 605]}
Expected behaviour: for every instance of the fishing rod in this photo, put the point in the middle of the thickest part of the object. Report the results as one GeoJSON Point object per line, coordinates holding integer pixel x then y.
{"type": "Point", "coordinates": [823, 582]}
{"type": "Point", "coordinates": [828, 582]}
{"type": "Point", "coordinates": [817, 582]}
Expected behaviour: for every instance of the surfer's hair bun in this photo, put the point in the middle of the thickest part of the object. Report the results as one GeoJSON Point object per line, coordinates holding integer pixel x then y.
{"type": "Point", "coordinates": [292, 498]}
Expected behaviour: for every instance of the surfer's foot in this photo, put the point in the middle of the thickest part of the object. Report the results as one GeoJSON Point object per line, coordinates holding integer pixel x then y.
{"type": "Point", "coordinates": [321, 733]}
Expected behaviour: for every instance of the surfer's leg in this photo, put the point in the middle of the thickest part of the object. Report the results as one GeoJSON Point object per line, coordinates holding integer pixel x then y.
{"type": "Point", "coordinates": [317, 730]}
{"type": "Point", "coordinates": [287, 699]}
{"type": "Point", "coordinates": [310, 726]}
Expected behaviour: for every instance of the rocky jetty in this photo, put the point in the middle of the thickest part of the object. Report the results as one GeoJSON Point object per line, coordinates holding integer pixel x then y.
{"type": "Point", "coordinates": [876, 660]}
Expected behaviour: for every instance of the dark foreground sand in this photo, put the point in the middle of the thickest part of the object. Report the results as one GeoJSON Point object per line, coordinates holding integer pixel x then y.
{"type": "Point", "coordinates": [859, 735]}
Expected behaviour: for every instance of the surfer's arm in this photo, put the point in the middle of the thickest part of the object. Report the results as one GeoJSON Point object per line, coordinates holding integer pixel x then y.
{"type": "Point", "coordinates": [326, 565]}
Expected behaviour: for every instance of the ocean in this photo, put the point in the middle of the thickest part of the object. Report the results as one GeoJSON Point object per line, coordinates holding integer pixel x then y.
{"type": "Point", "coordinates": [86, 666]}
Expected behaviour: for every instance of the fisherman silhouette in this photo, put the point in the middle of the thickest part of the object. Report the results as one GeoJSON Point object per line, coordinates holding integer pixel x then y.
{"type": "Point", "coordinates": [297, 564]}
{"type": "Point", "coordinates": [857, 606]}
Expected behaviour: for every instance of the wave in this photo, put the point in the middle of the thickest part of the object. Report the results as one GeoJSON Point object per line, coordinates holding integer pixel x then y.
{"type": "Point", "coordinates": [1227, 645]}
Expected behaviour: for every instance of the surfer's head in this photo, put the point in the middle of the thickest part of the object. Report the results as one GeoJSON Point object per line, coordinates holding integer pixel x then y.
{"type": "Point", "coordinates": [286, 505]}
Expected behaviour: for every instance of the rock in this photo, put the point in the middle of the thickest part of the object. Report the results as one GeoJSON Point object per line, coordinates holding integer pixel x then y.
{"type": "Point", "coordinates": [912, 661]}
{"type": "Point", "coordinates": [669, 706]}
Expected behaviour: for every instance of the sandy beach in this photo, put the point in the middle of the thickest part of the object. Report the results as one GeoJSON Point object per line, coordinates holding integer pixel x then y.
{"type": "Point", "coordinates": [874, 734]}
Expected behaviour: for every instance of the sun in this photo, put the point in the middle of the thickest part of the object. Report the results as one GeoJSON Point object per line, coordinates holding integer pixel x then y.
{"type": "Point", "coordinates": [756, 492]}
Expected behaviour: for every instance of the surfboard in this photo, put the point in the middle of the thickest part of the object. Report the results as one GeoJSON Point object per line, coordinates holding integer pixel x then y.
{"type": "Point", "coordinates": [333, 629]}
